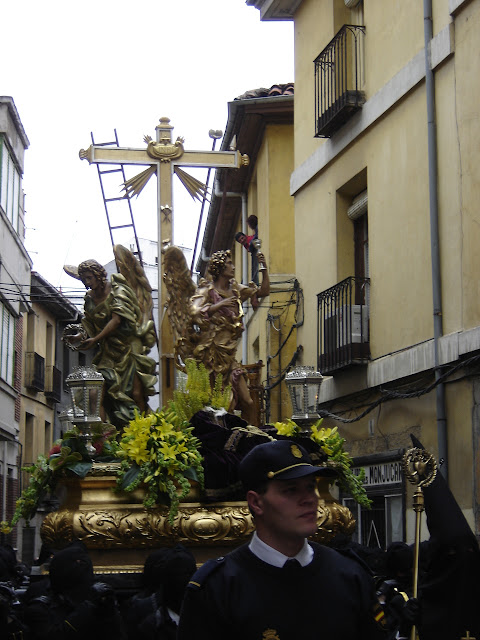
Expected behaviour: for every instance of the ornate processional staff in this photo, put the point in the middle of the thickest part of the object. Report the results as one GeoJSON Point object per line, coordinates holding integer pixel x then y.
{"type": "Point", "coordinates": [420, 468]}
{"type": "Point", "coordinates": [164, 158]}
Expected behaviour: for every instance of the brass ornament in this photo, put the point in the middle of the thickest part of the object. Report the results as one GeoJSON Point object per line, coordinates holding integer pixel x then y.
{"type": "Point", "coordinates": [333, 517]}
{"type": "Point", "coordinates": [165, 150]}
{"type": "Point", "coordinates": [166, 209]}
{"type": "Point", "coordinates": [57, 528]}
{"type": "Point", "coordinates": [134, 186]}
{"type": "Point", "coordinates": [270, 634]}
{"type": "Point", "coordinates": [295, 451]}
{"type": "Point", "coordinates": [197, 189]}
{"type": "Point", "coordinates": [419, 467]}
{"type": "Point", "coordinates": [73, 330]}
{"type": "Point", "coordinates": [86, 154]}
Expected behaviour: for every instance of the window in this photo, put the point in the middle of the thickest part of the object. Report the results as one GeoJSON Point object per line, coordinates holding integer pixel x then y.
{"type": "Point", "coordinates": [9, 186]}
{"type": "Point", "coordinates": [358, 213]}
{"type": "Point", "coordinates": [381, 525]}
{"type": "Point", "coordinates": [7, 344]}
{"type": "Point", "coordinates": [28, 454]}
{"type": "Point", "coordinates": [48, 436]}
{"type": "Point", "coordinates": [384, 523]}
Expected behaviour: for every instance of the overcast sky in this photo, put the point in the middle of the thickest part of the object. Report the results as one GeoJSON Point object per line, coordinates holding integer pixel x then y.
{"type": "Point", "coordinates": [96, 66]}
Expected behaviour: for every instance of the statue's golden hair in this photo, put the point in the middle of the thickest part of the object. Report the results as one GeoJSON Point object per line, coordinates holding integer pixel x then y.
{"type": "Point", "coordinates": [217, 262]}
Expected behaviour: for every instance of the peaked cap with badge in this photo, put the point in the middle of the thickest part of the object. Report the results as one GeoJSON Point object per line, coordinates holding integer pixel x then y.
{"type": "Point", "coordinates": [277, 460]}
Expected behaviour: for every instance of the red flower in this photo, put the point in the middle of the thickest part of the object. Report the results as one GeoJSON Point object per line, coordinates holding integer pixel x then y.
{"type": "Point", "coordinates": [98, 446]}
{"type": "Point", "coordinates": [55, 449]}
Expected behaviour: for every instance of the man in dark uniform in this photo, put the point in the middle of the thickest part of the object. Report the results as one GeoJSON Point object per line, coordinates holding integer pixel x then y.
{"type": "Point", "coordinates": [280, 586]}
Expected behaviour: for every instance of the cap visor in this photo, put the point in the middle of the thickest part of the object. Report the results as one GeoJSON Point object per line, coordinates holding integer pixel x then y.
{"type": "Point", "coordinates": [305, 470]}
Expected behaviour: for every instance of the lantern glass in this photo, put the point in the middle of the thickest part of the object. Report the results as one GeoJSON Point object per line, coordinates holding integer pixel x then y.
{"type": "Point", "coordinates": [304, 387]}
{"type": "Point", "coordinates": [85, 385]}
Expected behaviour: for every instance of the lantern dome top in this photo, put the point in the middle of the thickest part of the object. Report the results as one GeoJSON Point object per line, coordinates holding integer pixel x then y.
{"type": "Point", "coordinates": [84, 373]}
{"type": "Point", "coordinates": [303, 371]}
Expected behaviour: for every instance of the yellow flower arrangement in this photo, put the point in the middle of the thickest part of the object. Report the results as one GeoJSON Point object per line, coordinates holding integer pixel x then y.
{"type": "Point", "coordinates": [160, 450]}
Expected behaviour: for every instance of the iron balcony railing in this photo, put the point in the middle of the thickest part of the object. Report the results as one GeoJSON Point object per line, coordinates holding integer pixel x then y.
{"type": "Point", "coordinates": [339, 80]}
{"type": "Point", "coordinates": [34, 371]}
{"type": "Point", "coordinates": [343, 325]}
{"type": "Point", "coordinates": [53, 383]}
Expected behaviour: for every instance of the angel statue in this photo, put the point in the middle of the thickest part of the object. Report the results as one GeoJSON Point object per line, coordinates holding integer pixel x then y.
{"type": "Point", "coordinates": [118, 320]}
{"type": "Point", "coordinates": [207, 320]}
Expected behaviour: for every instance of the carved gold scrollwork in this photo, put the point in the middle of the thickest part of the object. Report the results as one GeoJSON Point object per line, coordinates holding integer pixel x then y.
{"type": "Point", "coordinates": [333, 518]}
{"type": "Point", "coordinates": [219, 523]}
{"type": "Point", "coordinates": [97, 516]}
{"type": "Point", "coordinates": [57, 528]}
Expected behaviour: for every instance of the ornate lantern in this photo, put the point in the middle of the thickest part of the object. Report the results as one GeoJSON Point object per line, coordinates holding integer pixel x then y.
{"type": "Point", "coordinates": [85, 385]}
{"type": "Point", "coordinates": [303, 384]}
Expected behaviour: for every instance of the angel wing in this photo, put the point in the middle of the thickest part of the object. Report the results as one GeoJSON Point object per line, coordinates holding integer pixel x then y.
{"type": "Point", "coordinates": [131, 269]}
{"type": "Point", "coordinates": [72, 270]}
{"type": "Point", "coordinates": [180, 288]}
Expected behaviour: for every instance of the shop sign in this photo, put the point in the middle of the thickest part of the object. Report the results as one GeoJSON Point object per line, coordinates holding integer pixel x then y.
{"type": "Point", "coordinates": [383, 473]}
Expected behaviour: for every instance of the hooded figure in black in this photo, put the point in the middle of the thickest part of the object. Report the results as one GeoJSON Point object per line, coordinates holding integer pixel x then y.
{"type": "Point", "coordinates": [11, 625]}
{"type": "Point", "coordinates": [449, 585]}
{"type": "Point", "coordinates": [154, 612]}
{"type": "Point", "coordinates": [75, 606]}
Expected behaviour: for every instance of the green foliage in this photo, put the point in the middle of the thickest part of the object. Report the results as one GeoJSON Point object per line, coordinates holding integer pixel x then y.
{"type": "Point", "coordinates": [221, 396]}
{"type": "Point", "coordinates": [67, 456]}
{"type": "Point", "coordinates": [197, 392]}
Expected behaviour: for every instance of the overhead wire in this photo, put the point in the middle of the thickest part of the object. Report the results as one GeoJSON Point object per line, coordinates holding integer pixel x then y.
{"type": "Point", "coordinates": [392, 394]}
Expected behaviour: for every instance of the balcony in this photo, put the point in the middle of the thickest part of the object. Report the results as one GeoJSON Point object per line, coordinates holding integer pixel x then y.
{"type": "Point", "coordinates": [53, 383]}
{"type": "Point", "coordinates": [34, 371]}
{"type": "Point", "coordinates": [343, 325]}
{"type": "Point", "coordinates": [339, 80]}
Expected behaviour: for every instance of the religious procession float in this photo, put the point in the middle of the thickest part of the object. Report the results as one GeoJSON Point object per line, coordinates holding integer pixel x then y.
{"type": "Point", "coordinates": [128, 479]}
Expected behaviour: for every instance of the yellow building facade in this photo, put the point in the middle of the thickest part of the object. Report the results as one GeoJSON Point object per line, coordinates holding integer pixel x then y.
{"type": "Point", "coordinates": [385, 187]}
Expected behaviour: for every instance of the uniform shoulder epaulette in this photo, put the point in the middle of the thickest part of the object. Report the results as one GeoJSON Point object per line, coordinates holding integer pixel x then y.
{"type": "Point", "coordinates": [202, 574]}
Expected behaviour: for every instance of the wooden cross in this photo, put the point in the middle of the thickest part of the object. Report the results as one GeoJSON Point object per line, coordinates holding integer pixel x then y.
{"type": "Point", "coordinates": [164, 157]}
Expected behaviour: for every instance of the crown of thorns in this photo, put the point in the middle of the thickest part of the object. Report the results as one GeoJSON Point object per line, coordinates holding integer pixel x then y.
{"type": "Point", "coordinates": [217, 262]}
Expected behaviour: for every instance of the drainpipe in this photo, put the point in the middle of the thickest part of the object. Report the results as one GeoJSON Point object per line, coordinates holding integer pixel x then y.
{"type": "Point", "coordinates": [434, 236]}
{"type": "Point", "coordinates": [5, 478]}
{"type": "Point", "coordinates": [234, 194]}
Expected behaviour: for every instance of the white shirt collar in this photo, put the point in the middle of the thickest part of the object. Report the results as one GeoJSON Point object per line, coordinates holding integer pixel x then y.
{"type": "Point", "coordinates": [271, 556]}
{"type": "Point", "coordinates": [174, 616]}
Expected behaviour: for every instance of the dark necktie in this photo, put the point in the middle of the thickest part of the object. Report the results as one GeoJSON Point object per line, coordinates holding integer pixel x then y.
{"type": "Point", "coordinates": [292, 564]}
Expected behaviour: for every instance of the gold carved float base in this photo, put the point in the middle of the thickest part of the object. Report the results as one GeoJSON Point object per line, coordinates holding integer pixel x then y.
{"type": "Point", "coordinates": [120, 532]}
